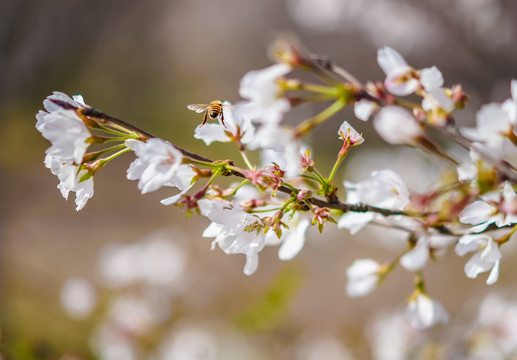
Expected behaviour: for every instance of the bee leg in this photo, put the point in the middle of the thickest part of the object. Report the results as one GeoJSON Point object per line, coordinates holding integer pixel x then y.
{"type": "Point", "coordinates": [204, 119]}
{"type": "Point", "coordinates": [222, 119]}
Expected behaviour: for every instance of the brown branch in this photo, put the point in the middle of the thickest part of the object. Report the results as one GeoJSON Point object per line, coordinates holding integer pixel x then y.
{"type": "Point", "coordinates": [104, 119]}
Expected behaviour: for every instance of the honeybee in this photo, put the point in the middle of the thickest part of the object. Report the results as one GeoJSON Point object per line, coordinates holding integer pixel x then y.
{"type": "Point", "coordinates": [213, 110]}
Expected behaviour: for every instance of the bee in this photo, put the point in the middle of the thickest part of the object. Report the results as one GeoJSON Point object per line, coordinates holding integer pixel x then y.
{"type": "Point", "coordinates": [213, 110]}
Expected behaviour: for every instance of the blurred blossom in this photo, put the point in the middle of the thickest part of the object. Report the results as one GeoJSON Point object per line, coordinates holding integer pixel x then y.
{"type": "Point", "coordinates": [78, 297]}
{"type": "Point", "coordinates": [325, 16]}
{"type": "Point", "coordinates": [133, 315]}
{"type": "Point", "coordinates": [397, 126]}
{"type": "Point", "coordinates": [364, 108]}
{"type": "Point", "coordinates": [484, 20]}
{"type": "Point", "coordinates": [424, 312]}
{"type": "Point", "coordinates": [189, 343]}
{"type": "Point", "coordinates": [393, 22]}
{"type": "Point", "coordinates": [265, 98]}
{"type": "Point", "coordinates": [496, 329]}
{"type": "Point", "coordinates": [417, 257]}
{"type": "Point", "coordinates": [363, 276]}
{"type": "Point", "coordinates": [392, 338]}
{"type": "Point", "coordinates": [154, 260]}
{"type": "Point", "coordinates": [110, 344]}
{"type": "Point", "coordinates": [316, 347]}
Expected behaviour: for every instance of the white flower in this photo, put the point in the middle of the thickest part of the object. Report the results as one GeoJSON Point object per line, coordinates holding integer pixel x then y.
{"type": "Point", "coordinates": [495, 121]}
{"type": "Point", "coordinates": [402, 79]}
{"type": "Point", "coordinates": [278, 145]}
{"type": "Point", "coordinates": [363, 109]}
{"type": "Point", "coordinates": [50, 105]}
{"type": "Point", "coordinates": [64, 129]}
{"type": "Point", "coordinates": [487, 256]}
{"type": "Point", "coordinates": [69, 177]}
{"type": "Point", "coordinates": [348, 134]}
{"type": "Point", "coordinates": [399, 80]}
{"type": "Point", "coordinates": [266, 103]}
{"type": "Point", "coordinates": [492, 125]}
{"type": "Point", "coordinates": [236, 126]}
{"type": "Point", "coordinates": [293, 237]}
{"type": "Point", "coordinates": [363, 276]}
{"type": "Point", "coordinates": [384, 189]}
{"type": "Point", "coordinates": [234, 231]}
{"type": "Point", "coordinates": [78, 297]}
{"type": "Point", "coordinates": [424, 312]}
{"type": "Point", "coordinates": [497, 207]}
{"type": "Point", "coordinates": [158, 164]}
{"type": "Point", "coordinates": [396, 125]}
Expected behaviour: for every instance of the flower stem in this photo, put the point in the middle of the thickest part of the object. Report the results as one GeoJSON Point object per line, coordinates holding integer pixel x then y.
{"type": "Point", "coordinates": [306, 126]}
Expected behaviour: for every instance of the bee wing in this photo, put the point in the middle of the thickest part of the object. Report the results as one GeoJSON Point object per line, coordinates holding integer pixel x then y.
{"type": "Point", "coordinates": [227, 105]}
{"type": "Point", "coordinates": [199, 108]}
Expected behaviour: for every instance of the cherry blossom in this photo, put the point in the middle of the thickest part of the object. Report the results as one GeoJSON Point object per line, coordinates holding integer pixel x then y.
{"type": "Point", "coordinates": [234, 230]}
{"type": "Point", "coordinates": [265, 101]}
{"type": "Point", "coordinates": [348, 134]}
{"type": "Point", "coordinates": [158, 164]}
{"type": "Point", "coordinates": [78, 297]}
{"type": "Point", "coordinates": [487, 256]}
{"type": "Point", "coordinates": [279, 145]}
{"type": "Point", "coordinates": [384, 189]}
{"type": "Point", "coordinates": [363, 277]}
{"type": "Point", "coordinates": [499, 208]}
{"type": "Point", "coordinates": [402, 79]}
{"type": "Point", "coordinates": [70, 177]}
{"type": "Point", "coordinates": [423, 312]}
{"type": "Point", "coordinates": [363, 109]}
{"type": "Point", "coordinates": [64, 129]}
{"type": "Point", "coordinates": [397, 126]}
{"type": "Point", "coordinates": [237, 127]}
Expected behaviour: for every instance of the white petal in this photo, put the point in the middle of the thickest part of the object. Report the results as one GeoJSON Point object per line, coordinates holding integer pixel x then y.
{"type": "Point", "coordinates": [468, 243]}
{"type": "Point", "coordinates": [400, 83]}
{"type": "Point", "coordinates": [363, 276]}
{"type": "Point", "coordinates": [354, 221]}
{"type": "Point", "coordinates": [363, 109]}
{"type": "Point", "coordinates": [251, 264]}
{"type": "Point", "coordinates": [416, 258]}
{"type": "Point", "coordinates": [390, 60]}
{"type": "Point", "coordinates": [476, 213]}
{"type": "Point", "coordinates": [396, 125]}
{"type": "Point", "coordinates": [476, 266]}
{"type": "Point", "coordinates": [431, 78]}
{"type": "Point", "coordinates": [294, 241]}
{"type": "Point", "coordinates": [494, 274]}
{"type": "Point", "coordinates": [491, 252]}
{"type": "Point", "coordinates": [175, 198]}
{"type": "Point", "coordinates": [210, 133]}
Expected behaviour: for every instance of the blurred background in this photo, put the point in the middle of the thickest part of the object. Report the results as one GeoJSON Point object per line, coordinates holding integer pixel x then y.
{"type": "Point", "coordinates": [128, 278]}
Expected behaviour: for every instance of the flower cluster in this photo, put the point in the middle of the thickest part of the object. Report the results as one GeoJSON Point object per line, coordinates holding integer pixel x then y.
{"type": "Point", "coordinates": [275, 200]}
